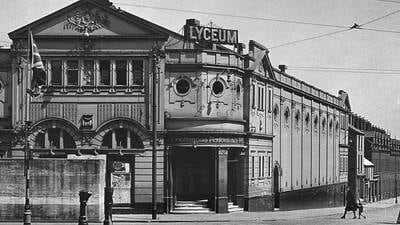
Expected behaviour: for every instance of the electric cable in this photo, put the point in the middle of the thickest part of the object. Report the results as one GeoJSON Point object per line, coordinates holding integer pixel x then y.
{"type": "Point", "coordinates": [235, 16]}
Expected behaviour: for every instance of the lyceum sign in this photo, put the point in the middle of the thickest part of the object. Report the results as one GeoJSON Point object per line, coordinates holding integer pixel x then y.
{"type": "Point", "coordinates": [195, 32]}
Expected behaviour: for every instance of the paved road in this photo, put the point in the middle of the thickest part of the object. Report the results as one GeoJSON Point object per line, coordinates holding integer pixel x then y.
{"type": "Point", "coordinates": [384, 212]}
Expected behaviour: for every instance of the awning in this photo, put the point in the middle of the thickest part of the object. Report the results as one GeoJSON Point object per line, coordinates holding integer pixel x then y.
{"type": "Point", "coordinates": [368, 163]}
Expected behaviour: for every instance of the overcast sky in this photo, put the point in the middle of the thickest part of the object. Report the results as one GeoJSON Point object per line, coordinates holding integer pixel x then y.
{"type": "Point", "coordinates": [375, 96]}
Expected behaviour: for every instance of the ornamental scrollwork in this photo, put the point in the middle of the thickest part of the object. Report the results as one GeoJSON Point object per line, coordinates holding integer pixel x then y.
{"type": "Point", "coordinates": [86, 21]}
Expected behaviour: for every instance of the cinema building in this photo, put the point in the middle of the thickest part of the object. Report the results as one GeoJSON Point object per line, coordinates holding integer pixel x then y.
{"type": "Point", "coordinates": [232, 130]}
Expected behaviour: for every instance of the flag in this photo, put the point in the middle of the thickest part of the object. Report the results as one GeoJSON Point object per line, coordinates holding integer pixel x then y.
{"type": "Point", "coordinates": [38, 73]}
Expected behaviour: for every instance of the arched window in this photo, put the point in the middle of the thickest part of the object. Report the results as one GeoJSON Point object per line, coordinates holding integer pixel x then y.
{"type": "Point", "coordinates": [55, 138]}
{"type": "Point", "coordinates": [287, 115]}
{"type": "Point", "coordinates": [316, 120]}
{"type": "Point", "coordinates": [297, 118]}
{"type": "Point", "coordinates": [276, 112]}
{"type": "Point", "coordinates": [121, 138]}
{"type": "Point", "coordinates": [307, 119]}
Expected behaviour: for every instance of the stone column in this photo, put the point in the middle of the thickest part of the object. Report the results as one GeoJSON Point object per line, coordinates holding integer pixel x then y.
{"type": "Point", "coordinates": [221, 180]}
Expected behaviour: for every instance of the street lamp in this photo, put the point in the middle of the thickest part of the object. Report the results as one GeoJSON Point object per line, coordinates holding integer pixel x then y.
{"type": "Point", "coordinates": [21, 135]}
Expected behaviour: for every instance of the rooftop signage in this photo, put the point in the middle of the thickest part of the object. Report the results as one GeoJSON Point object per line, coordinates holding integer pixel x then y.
{"type": "Point", "coordinates": [195, 32]}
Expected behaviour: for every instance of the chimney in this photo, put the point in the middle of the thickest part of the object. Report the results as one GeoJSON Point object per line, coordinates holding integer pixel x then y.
{"type": "Point", "coordinates": [282, 68]}
{"type": "Point", "coordinates": [240, 47]}
{"type": "Point", "coordinates": [192, 22]}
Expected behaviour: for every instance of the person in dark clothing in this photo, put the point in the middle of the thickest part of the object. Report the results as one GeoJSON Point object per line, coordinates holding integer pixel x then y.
{"type": "Point", "coordinates": [351, 204]}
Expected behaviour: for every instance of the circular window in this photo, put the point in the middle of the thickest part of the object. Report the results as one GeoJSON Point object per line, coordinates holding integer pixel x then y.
{"type": "Point", "coordinates": [182, 86]}
{"type": "Point", "coordinates": [217, 88]}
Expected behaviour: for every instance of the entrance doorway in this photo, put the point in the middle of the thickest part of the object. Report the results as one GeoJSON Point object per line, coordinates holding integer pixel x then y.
{"type": "Point", "coordinates": [120, 171]}
{"type": "Point", "coordinates": [192, 174]}
{"type": "Point", "coordinates": [276, 187]}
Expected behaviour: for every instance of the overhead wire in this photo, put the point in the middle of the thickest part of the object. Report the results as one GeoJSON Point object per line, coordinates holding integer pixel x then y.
{"type": "Point", "coordinates": [347, 28]}
{"type": "Point", "coordinates": [348, 71]}
{"type": "Point", "coordinates": [235, 16]}
{"type": "Point", "coordinates": [345, 68]}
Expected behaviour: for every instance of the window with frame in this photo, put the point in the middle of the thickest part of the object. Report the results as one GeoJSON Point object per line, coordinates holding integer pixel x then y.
{"type": "Point", "coordinates": [88, 72]}
{"type": "Point", "coordinates": [269, 100]}
{"type": "Point", "coordinates": [56, 72]}
{"type": "Point", "coordinates": [105, 72]}
{"type": "Point", "coordinates": [120, 72]}
{"type": "Point", "coordinates": [259, 166]}
{"type": "Point", "coordinates": [138, 71]}
{"type": "Point", "coordinates": [252, 167]}
{"type": "Point", "coordinates": [253, 87]}
{"type": "Point", "coordinates": [269, 160]}
{"type": "Point", "coordinates": [262, 98]}
{"type": "Point", "coordinates": [72, 72]}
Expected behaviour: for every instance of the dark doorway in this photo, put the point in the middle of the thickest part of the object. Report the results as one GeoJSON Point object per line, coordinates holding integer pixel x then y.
{"type": "Point", "coordinates": [120, 172]}
{"type": "Point", "coordinates": [276, 187]}
{"type": "Point", "coordinates": [233, 171]}
{"type": "Point", "coordinates": [192, 174]}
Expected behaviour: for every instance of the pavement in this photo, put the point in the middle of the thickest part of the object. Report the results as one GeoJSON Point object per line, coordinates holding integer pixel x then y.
{"type": "Point", "coordinates": [380, 208]}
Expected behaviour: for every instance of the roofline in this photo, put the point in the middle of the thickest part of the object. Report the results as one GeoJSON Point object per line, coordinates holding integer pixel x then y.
{"type": "Point", "coordinates": [130, 16]}
{"type": "Point", "coordinates": [319, 89]}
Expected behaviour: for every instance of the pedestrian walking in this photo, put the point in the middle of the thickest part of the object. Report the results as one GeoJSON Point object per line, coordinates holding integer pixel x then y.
{"type": "Point", "coordinates": [351, 204]}
{"type": "Point", "coordinates": [360, 209]}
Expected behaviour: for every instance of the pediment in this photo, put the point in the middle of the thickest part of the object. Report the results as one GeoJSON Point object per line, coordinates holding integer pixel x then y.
{"type": "Point", "coordinates": [90, 17]}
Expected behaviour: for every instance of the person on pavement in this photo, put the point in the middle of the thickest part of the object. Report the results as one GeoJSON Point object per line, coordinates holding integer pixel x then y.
{"type": "Point", "coordinates": [351, 204]}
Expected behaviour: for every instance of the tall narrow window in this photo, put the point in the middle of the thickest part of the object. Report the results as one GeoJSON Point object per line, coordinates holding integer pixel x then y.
{"type": "Point", "coordinates": [262, 98]}
{"type": "Point", "coordinates": [72, 72]}
{"type": "Point", "coordinates": [263, 167]}
{"type": "Point", "coordinates": [253, 104]}
{"type": "Point", "coordinates": [105, 72]}
{"type": "Point", "coordinates": [259, 166]}
{"type": "Point", "coordinates": [121, 72]}
{"type": "Point", "coordinates": [269, 165]}
{"type": "Point", "coordinates": [269, 100]}
{"type": "Point", "coordinates": [252, 166]}
{"type": "Point", "coordinates": [88, 72]}
{"type": "Point", "coordinates": [259, 98]}
{"type": "Point", "coordinates": [56, 72]}
{"type": "Point", "coordinates": [137, 72]}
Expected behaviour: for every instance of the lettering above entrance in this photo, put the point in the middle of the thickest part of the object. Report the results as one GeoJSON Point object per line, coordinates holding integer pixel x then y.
{"type": "Point", "coordinates": [195, 32]}
{"type": "Point", "coordinates": [205, 140]}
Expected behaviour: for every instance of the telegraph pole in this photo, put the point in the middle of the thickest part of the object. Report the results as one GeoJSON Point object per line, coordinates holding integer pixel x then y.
{"type": "Point", "coordinates": [154, 137]}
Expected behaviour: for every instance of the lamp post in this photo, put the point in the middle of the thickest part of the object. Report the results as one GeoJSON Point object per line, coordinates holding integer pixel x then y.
{"type": "Point", "coordinates": [27, 208]}
{"type": "Point", "coordinates": [21, 136]}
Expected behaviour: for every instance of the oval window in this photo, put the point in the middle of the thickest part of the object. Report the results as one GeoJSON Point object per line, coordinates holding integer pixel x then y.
{"type": "Point", "coordinates": [217, 88]}
{"type": "Point", "coordinates": [182, 86]}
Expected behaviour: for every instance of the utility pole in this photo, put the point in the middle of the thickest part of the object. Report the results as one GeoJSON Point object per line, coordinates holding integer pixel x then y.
{"type": "Point", "coordinates": [154, 137]}
{"type": "Point", "coordinates": [27, 207]}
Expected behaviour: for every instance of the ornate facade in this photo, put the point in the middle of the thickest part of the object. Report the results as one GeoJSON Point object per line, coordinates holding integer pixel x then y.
{"type": "Point", "coordinates": [232, 129]}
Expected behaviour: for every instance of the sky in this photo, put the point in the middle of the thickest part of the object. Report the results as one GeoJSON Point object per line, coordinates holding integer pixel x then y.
{"type": "Point", "coordinates": [374, 95]}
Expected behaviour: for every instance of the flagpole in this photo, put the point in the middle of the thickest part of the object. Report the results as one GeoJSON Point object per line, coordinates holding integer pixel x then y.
{"type": "Point", "coordinates": [27, 208]}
